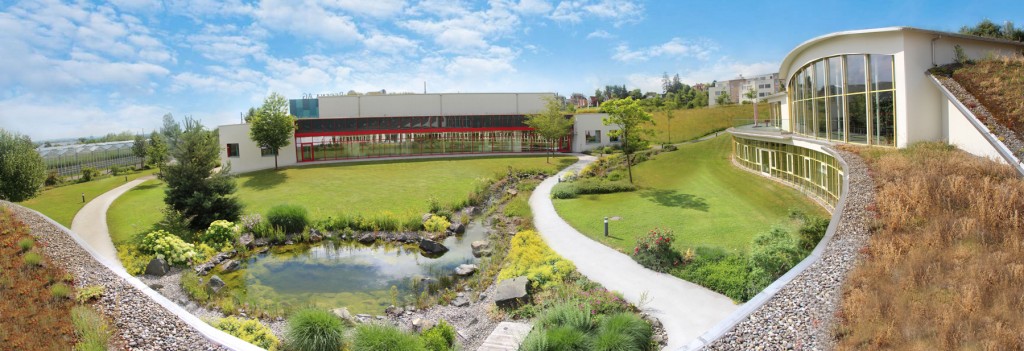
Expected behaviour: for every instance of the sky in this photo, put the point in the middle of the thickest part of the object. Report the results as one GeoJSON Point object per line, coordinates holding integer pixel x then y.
{"type": "Point", "coordinates": [76, 69]}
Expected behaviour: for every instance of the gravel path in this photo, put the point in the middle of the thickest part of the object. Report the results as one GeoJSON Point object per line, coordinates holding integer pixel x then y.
{"type": "Point", "coordinates": [139, 323]}
{"type": "Point", "coordinates": [800, 315]}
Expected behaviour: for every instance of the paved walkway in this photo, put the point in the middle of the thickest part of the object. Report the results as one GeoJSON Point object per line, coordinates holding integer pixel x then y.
{"type": "Point", "coordinates": [90, 222]}
{"type": "Point", "coordinates": [685, 309]}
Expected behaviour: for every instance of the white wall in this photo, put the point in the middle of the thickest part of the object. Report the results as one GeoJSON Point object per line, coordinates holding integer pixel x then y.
{"type": "Point", "coordinates": [960, 132]}
{"type": "Point", "coordinates": [249, 158]}
{"type": "Point", "coordinates": [591, 122]}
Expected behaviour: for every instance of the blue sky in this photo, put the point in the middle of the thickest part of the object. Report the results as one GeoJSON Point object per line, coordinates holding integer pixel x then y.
{"type": "Point", "coordinates": [85, 68]}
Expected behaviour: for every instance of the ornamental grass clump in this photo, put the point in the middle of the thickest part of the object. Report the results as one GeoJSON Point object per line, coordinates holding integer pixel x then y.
{"type": "Point", "coordinates": [168, 247]}
{"type": "Point", "coordinates": [377, 337]}
{"type": "Point", "coordinates": [93, 332]}
{"type": "Point", "coordinates": [33, 259]}
{"type": "Point", "coordinates": [26, 244]}
{"type": "Point", "coordinates": [60, 291]}
{"type": "Point", "coordinates": [291, 218]}
{"type": "Point", "coordinates": [655, 250]}
{"type": "Point", "coordinates": [314, 330]}
{"type": "Point", "coordinates": [439, 338]}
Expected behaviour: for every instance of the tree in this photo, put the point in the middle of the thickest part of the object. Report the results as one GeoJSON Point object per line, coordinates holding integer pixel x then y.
{"type": "Point", "coordinates": [139, 150]}
{"type": "Point", "coordinates": [194, 190]}
{"type": "Point", "coordinates": [670, 105]}
{"type": "Point", "coordinates": [271, 127]}
{"type": "Point", "coordinates": [632, 122]}
{"type": "Point", "coordinates": [157, 151]}
{"type": "Point", "coordinates": [987, 28]}
{"type": "Point", "coordinates": [249, 114]}
{"type": "Point", "coordinates": [551, 124]}
{"type": "Point", "coordinates": [751, 95]}
{"type": "Point", "coordinates": [22, 170]}
{"type": "Point", "coordinates": [723, 99]}
{"type": "Point", "coordinates": [171, 130]}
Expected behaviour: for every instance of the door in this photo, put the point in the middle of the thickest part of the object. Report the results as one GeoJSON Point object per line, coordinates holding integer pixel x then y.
{"type": "Point", "coordinates": [765, 157]}
{"type": "Point", "coordinates": [306, 151]}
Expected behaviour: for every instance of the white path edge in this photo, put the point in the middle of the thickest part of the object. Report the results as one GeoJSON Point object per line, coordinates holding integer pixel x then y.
{"type": "Point", "coordinates": [90, 222]}
{"type": "Point", "coordinates": [685, 309]}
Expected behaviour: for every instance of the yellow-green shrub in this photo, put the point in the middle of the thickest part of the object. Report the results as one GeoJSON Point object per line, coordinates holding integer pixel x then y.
{"type": "Point", "coordinates": [436, 224]}
{"type": "Point", "coordinates": [168, 246]}
{"type": "Point", "coordinates": [133, 260]}
{"type": "Point", "coordinates": [251, 331]}
{"type": "Point", "coordinates": [220, 234]}
{"type": "Point", "coordinates": [529, 256]}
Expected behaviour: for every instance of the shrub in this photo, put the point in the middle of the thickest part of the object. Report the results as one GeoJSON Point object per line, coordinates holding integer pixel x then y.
{"type": "Point", "coordinates": [812, 232]}
{"type": "Point", "coordinates": [655, 250]}
{"type": "Point", "coordinates": [603, 301]}
{"type": "Point", "coordinates": [376, 337]}
{"type": "Point", "coordinates": [250, 222]}
{"type": "Point", "coordinates": [537, 340]}
{"type": "Point", "coordinates": [439, 338]}
{"type": "Point", "coordinates": [773, 253]}
{"type": "Point", "coordinates": [413, 223]}
{"type": "Point", "coordinates": [118, 170]}
{"type": "Point", "coordinates": [436, 224]}
{"type": "Point", "coordinates": [314, 329]}
{"type": "Point", "coordinates": [133, 260]}
{"type": "Point", "coordinates": [291, 218]}
{"type": "Point", "coordinates": [26, 244]}
{"type": "Point", "coordinates": [726, 273]}
{"type": "Point", "coordinates": [221, 234]}
{"type": "Point", "coordinates": [88, 173]}
{"type": "Point", "coordinates": [53, 179]}
{"type": "Point", "coordinates": [176, 223]}
{"type": "Point", "coordinates": [380, 221]}
{"type": "Point", "coordinates": [33, 259]}
{"type": "Point", "coordinates": [623, 331]}
{"type": "Point", "coordinates": [249, 330]}
{"type": "Point", "coordinates": [89, 293]}
{"type": "Point", "coordinates": [93, 333]}
{"type": "Point", "coordinates": [168, 247]}
{"type": "Point", "coordinates": [193, 286]}
{"type": "Point", "coordinates": [573, 314]}
{"type": "Point", "coordinates": [569, 190]}
{"type": "Point", "coordinates": [563, 190]}
{"type": "Point", "coordinates": [529, 256]}
{"type": "Point", "coordinates": [566, 338]}
{"type": "Point", "coordinates": [60, 291]}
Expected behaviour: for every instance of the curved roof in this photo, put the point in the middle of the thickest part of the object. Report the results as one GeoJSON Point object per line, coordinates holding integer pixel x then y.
{"type": "Point", "coordinates": [788, 60]}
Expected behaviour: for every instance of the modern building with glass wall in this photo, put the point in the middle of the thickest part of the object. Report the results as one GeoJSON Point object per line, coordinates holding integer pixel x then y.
{"type": "Point", "coordinates": [864, 87]}
{"type": "Point", "coordinates": [341, 127]}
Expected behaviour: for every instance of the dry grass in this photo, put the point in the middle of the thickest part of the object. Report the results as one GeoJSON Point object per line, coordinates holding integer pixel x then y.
{"type": "Point", "coordinates": [999, 84]}
{"type": "Point", "coordinates": [944, 269]}
{"type": "Point", "coordinates": [31, 317]}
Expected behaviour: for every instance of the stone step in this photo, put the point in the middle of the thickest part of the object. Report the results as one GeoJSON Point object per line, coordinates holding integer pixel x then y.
{"type": "Point", "coordinates": [506, 337]}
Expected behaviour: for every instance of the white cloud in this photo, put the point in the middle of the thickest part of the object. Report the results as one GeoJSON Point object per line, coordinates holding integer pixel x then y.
{"type": "Point", "coordinates": [674, 48]}
{"type": "Point", "coordinates": [467, 32]}
{"type": "Point", "coordinates": [533, 6]}
{"type": "Point", "coordinates": [619, 12]}
{"type": "Point", "coordinates": [307, 18]}
{"type": "Point", "coordinates": [27, 113]}
{"type": "Point", "coordinates": [229, 49]}
{"type": "Point", "coordinates": [391, 44]}
{"type": "Point", "coordinates": [375, 8]}
{"type": "Point", "coordinates": [600, 34]}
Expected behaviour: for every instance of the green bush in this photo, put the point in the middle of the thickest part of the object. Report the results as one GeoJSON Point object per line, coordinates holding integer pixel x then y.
{"type": "Point", "coordinates": [380, 221]}
{"type": "Point", "coordinates": [168, 247]}
{"type": "Point", "coordinates": [291, 218]}
{"type": "Point", "coordinates": [569, 190]}
{"type": "Point", "coordinates": [537, 340]}
{"type": "Point", "coordinates": [413, 223]}
{"type": "Point", "coordinates": [93, 333]}
{"type": "Point", "coordinates": [33, 259]}
{"type": "Point", "coordinates": [221, 234]}
{"type": "Point", "coordinates": [53, 179]}
{"type": "Point", "coordinates": [773, 253]}
{"type": "Point", "coordinates": [439, 338]}
{"type": "Point", "coordinates": [436, 224]}
{"type": "Point", "coordinates": [563, 190]}
{"type": "Point", "coordinates": [88, 173]}
{"type": "Point", "coordinates": [26, 244]}
{"type": "Point", "coordinates": [313, 330]}
{"type": "Point", "coordinates": [89, 293]}
{"type": "Point", "coordinates": [726, 273]}
{"type": "Point", "coordinates": [623, 331]}
{"type": "Point", "coordinates": [133, 260]}
{"type": "Point", "coordinates": [60, 291]}
{"type": "Point", "coordinates": [376, 337]}
{"type": "Point", "coordinates": [529, 256]}
{"type": "Point", "coordinates": [567, 338]}
{"type": "Point", "coordinates": [250, 331]}
{"type": "Point", "coordinates": [603, 301]}
{"type": "Point", "coordinates": [655, 250]}
{"type": "Point", "coordinates": [811, 233]}
{"type": "Point", "coordinates": [573, 314]}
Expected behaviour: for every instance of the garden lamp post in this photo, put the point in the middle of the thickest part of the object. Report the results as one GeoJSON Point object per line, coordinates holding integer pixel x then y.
{"type": "Point", "coordinates": [605, 226]}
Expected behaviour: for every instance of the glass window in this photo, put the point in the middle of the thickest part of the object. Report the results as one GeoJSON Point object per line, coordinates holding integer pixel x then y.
{"type": "Point", "coordinates": [808, 118]}
{"type": "Point", "coordinates": [836, 123]}
{"type": "Point", "coordinates": [593, 137]}
{"type": "Point", "coordinates": [835, 75]}
{"type": "Point", "coordinates": [857, 110]}
{"type": "Point", "coordinates": [884, 115]}
{"type": "Point", "coordinates": [267, 152]}
{"type": "Point", "coordinates": [881, 72]}
{"type": "Point", "coordinates": [820, 120]}
{"type": "Point", "coordinates": [233, 150]}
{"type": "Point", "coordinates": [855, 73]}
{"type": "Point", "coordinates": [819, 78]}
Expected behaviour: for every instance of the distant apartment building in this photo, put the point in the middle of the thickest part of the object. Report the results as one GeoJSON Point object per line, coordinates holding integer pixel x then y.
{"type": "Point", "coordinates": [764, 85]}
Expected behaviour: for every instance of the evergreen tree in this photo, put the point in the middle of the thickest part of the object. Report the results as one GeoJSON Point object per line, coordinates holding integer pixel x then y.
{"type": "Point", "coordinates": [171, 130]}
{"type": "Point", "coordinates": [22, 170]}
{"type": "Point", "coordinates": [193, 188]}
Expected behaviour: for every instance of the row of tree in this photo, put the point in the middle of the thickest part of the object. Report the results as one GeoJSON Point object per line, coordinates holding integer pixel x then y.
{"type": "Point", "coordinates": [987, 28]}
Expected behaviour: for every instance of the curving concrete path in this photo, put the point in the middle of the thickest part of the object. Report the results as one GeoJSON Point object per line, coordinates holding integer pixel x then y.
{"type": "Point", "coordinates": [685, 309]}
{"type": "Point", "coordinates": [90, 222]}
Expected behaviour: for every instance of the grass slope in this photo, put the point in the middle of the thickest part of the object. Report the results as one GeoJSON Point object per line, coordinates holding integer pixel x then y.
{"type": "Point", "coordinates": [401, 187]}
{"type": "Point", "coordinates": [136, 211]}
{"type": "Point", "coordinates": [62, 203]}
{"type": "Point", "coordinates": [695, 123]}
{"type": "Point", "coordinates": [696, 192]}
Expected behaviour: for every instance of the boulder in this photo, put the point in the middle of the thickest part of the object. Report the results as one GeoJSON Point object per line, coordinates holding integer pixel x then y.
{"type": "Point", "coordinates": [460, 301]}
{"type": "Point", "coordinates": [431, 247]}
{"type": "Point", "coordinates": [511, 293]}
{"type": "Point", "coordinates": [426, 217]}
{"type": "Point", "coordinates": [367, 238]}
{"type": "Point", "coordinates": [481, 248]}
{"type": "Point", "coordinates": [230, 266]}
{"type": "Point", "coordinates": [512, 191]}
{"type": "Point", "coordinates": [260, 242]}
{"type": "Point", "coordinates": [464, 270]}
{"type": "Point", "coordinates": [457, 228]}
{"type": "Point", "coordinates": [315, 235]}
{"type": "Point", "coordinates": [247, 240]}
{"type": "Point", "coordinates": [421, 324]}
{"type": "Point", "coordinates": [158, 267]}
{"type": "Point", "coordinates": [216, 284]}
{"type": "Point", "coordinates": [344, 314]}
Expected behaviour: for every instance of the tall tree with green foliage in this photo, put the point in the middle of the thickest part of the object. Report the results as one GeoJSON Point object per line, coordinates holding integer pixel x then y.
{"type": "Point", "coordinates": [22, 170]}
{"type": "Point", "coordinates": [139, 150]}
{"type": "Point", "coordinates": [632, 121]}
{"type": "Point", "coordinates": [171, 130]}
{"type": "Point", "coordinates": [552, 124]}
{"type": "Point", "coordinates": [987, 28]}
{"type": "Point", "coordinates": [194, 190]}
{"type": "Point", "coordinates": [271, 127]}
{"type": "Point", "coordinates": [157, 151]}
{"type": "Point", "coordinates": [670, 106]}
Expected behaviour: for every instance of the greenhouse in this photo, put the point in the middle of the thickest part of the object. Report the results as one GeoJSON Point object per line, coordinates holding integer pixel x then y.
{"type": "Point", "coordinates": [69, 160]}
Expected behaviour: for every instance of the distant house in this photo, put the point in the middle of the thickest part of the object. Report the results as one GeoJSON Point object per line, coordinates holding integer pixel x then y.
{"type": "Point", "coordinates": [764, 85]}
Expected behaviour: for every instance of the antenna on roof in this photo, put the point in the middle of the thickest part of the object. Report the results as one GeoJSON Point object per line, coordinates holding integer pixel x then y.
{"type": "Point", "coordinates": [424, 87]}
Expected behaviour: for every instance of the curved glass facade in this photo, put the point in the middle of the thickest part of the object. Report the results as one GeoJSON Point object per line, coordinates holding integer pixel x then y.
{"type": "Point", "coordinates": [845, 98]}
{"type": "Point", "coordinates": [817, 174]}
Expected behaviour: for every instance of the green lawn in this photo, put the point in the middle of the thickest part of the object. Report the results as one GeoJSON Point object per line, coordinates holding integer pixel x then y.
{"type": "Point", "coordinates": [401, 187]}
{"type": "Point", "coordinates": [136, 211]}
{"type": "Point", "coordinates": [695, 123]}
{"type": "Point", "coordinates": [62, 203]}
{"type": "Point", "coordinates": [696, 192]}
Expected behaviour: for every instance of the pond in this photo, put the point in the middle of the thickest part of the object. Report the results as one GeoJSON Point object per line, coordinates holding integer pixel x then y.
{"type": "Point", "coordinates": [330, 275]}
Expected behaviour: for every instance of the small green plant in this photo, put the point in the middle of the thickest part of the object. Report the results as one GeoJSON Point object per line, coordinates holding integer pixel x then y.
{"type": "Point", "coordinates": [89, 293]}
{"type": "Point", "coordinates": [436, 224]}
{"type": "Point", "coordinates": [33, 259]}
{"type": "Point", "coordinates": [291, 218]}
{"type": "Point", "coordinates": [623, 331]}
{"type": "Point", "coordinates": [960, 56]}
{"type": "Point", "coordinates": [168, 247]}
{"type": "Point", "coordinates": [93, 333]}
{"type": "Point", "coordinates": [376, 337]}
{"type": "Point", "coordinates": [439, 338]}
{"type": "Point", "coordinates": [251, 331]}
{"type": "Point", "coordinates": [314, 329]}
{"type": "Point", "coordinates": [221, 234]}
{"type": "Point", "coordinates": [655, 250]}
{"type": "Point", "coordinates": [60, 291]}
{"type": "Point", "coordinates": [192, 284]}
{"type": "Point", "coordinates": [26, 244]}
